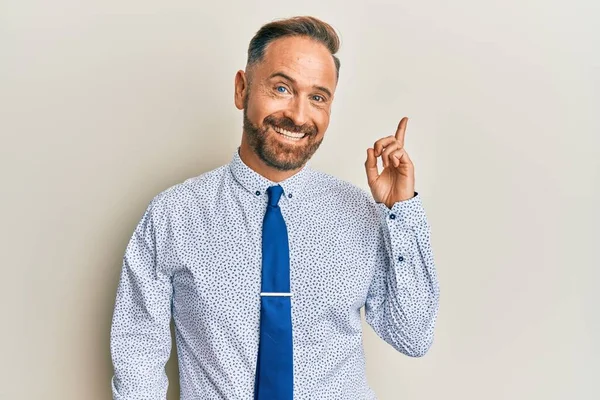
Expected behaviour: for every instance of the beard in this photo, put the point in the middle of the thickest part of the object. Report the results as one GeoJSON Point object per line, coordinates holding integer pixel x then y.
{"type": "Point", "coordinates": [272, 151]}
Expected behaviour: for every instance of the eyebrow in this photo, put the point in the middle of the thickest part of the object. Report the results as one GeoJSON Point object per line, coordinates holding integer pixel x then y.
{"type": "Point", "coordinates": [289, 78]}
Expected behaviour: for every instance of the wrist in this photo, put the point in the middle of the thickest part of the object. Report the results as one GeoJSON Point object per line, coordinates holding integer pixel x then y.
{"type": "Point", "coordinates": [402, 197]}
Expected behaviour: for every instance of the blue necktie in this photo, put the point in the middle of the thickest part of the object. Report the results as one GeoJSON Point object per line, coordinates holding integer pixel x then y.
{"type": "Point", "coordinates": [274, 368]}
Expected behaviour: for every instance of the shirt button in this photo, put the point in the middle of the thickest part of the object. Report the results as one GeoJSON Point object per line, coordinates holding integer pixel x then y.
{"type": "Point", "coordinates": [392, 216]}
{"type": "Point", "coordinates": [258, 193]}
{"type": "Point", "coordinates": [290, 195]}
{"type": "Point", "coordinates": [400, 258]}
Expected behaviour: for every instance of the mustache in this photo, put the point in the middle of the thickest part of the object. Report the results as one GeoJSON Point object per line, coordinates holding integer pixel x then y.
{"type": "Point", "coordinates": [289, 125]}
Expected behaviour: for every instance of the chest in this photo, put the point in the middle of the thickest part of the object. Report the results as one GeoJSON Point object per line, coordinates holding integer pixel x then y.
{"type": "Point", "coordinates": [331, 261]}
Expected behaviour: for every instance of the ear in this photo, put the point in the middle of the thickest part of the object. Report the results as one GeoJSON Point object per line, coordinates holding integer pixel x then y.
{"type": "Point", "coordinates": [241, 88]}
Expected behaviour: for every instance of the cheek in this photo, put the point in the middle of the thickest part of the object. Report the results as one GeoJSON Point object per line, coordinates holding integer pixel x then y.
{"type": "Point", "coordinates": [261, 106]}
{"type": "Point", "coordinates": [322, 122]}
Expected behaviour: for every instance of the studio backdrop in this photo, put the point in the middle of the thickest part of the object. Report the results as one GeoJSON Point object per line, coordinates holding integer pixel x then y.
{"type": "Point", "coordinates": [104, 104]}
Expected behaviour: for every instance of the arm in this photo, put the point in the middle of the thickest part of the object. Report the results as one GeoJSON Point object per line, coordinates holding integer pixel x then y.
{"type": "Point", "coordinates": [140, 337]}
{"type": "Point", "coordinates": [403, 300]}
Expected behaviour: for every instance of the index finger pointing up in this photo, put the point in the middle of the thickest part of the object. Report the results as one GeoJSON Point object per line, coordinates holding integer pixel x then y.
{"type": "Point", "coordinates": [400, 132]}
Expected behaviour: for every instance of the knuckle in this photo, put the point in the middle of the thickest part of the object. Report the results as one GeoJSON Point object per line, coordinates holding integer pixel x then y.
{"type": "Point", "coordinates": [391, 148]}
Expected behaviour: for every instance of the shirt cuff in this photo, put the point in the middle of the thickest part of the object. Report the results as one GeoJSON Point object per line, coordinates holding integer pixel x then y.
{"type": "Point", "coordinates": [406, 213]}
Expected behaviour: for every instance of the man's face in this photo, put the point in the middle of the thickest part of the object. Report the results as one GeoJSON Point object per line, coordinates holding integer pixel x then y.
{"type": "Point", "coordinates": [288, 102]}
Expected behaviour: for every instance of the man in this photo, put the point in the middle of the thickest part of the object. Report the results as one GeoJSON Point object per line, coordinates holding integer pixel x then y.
{"type": "Point", "coordinates": [265, 263]}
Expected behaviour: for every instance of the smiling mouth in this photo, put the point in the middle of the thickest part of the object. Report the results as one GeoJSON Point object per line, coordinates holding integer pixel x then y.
{"type": "Point", "coordinates": [289, 135]}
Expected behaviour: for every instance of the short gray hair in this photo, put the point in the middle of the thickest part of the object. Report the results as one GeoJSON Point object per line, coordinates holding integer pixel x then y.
{"type": "Point", "coordinates": [306, 26]}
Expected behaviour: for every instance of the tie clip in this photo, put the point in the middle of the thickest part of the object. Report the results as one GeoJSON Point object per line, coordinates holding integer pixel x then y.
{"type": "Point", "coordinates": [275, 294]}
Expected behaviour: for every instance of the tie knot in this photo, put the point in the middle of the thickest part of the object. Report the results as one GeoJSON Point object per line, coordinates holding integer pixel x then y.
{"type": "Point", "coordinates": [274, 193]}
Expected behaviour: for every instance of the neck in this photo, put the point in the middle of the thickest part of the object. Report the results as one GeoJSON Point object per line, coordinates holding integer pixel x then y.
{"type": "Point", "coordinates": [252, 160]}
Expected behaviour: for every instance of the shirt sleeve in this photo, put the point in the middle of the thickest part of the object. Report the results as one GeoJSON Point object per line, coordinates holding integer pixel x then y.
{"type": "Point", "coordinates": [403, 300]}
{"type": "Point", "coordinates": [140, 337]}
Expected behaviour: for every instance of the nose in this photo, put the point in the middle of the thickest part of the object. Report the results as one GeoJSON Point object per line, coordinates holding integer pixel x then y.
{"type": "Point", "coordinates": [297, 111]}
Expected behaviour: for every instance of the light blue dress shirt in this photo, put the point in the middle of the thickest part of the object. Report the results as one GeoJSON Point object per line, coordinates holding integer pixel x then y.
{"type": "Point", "coordinates": [195, 256]}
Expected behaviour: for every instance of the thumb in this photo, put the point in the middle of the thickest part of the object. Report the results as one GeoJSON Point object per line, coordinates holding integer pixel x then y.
{"type": "Point", "coordinates": [371, 166]}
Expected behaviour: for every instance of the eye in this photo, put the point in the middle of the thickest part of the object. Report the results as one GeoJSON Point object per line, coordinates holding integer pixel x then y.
{"type": "Point", "coordinates": [281, 89]}
{"type": "Point", "coordinates": [318, 98]}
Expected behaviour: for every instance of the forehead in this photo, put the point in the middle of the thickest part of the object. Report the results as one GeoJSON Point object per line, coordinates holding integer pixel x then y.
{"type": "Point", "coordinates": [303, 59]}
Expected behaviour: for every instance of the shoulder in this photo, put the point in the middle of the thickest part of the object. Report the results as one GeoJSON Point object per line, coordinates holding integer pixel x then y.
{"type": "Point", "coordinates": [354, 206]}
{"type": "Point", "coordinates": [191, 191]}
{"type": "Point", "coordinates": [337, 189]}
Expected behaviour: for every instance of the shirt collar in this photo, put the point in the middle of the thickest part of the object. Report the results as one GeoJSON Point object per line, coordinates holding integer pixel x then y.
{"type": "Point", "coordinates": [294, 187]}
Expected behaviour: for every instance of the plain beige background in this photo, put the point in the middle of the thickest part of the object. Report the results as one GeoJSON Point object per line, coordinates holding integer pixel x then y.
{"type": "Point", "coordinates": [105, 103]}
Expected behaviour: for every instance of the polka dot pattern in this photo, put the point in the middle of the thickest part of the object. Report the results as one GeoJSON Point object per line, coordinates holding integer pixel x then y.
{"type": "Point", "coordinates": [195, 256]}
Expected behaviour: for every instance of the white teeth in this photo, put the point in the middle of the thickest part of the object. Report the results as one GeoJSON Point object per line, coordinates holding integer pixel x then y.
{"type": "Point", "coordinates": [288, 134]}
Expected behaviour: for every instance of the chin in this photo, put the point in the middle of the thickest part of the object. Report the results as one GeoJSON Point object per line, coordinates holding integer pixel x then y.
{"type": "Point", "coordinates": [285, 155]}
